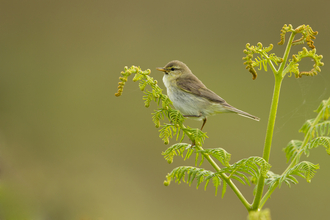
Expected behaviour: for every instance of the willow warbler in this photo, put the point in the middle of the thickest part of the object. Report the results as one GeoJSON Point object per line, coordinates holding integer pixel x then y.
{"type": "Point", "coordinates": [191, 97]}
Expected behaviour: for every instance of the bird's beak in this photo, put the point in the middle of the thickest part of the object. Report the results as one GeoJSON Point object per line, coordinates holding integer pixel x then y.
{"type": "Point", "coordinates": [161, 69]}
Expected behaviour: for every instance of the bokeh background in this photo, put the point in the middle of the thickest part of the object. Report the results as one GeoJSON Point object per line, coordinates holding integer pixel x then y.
{"type": "Point", "coordinates": [70, 149]}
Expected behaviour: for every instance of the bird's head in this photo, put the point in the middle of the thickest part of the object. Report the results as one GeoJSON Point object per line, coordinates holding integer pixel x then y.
{"type": "Point", "coordinates": [174, 69]}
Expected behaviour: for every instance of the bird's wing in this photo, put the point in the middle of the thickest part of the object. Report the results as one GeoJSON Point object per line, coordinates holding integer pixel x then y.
{"type": "Point", "coordinates": [193, 85]}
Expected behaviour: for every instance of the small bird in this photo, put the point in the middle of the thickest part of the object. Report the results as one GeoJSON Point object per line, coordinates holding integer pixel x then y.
{"type": "Point", "coordinates": [191, 97]}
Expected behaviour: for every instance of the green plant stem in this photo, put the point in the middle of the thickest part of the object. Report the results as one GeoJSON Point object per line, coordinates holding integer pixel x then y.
{"type": "Point", "coordinates": [267, 195]}
{"type": "Point", "coordinates": [271, 124]}
{"type": "Point", "coordinates": [286, 55]}
{"type": "Point", "coordinates": [225, 178]}
{"type": "Point", "coordinates": [269, 137]}
{"type": "Point", "coordinates": [272, 117]}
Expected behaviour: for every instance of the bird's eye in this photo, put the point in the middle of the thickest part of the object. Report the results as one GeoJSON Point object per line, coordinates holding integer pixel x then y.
{"type": "Point", "coordinates": [172, 69]}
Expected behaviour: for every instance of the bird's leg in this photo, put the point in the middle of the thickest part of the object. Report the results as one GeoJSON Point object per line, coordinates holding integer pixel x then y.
{"type": "Point", "coordinates": [204, 121]}
{"type": "Point", "coordinates": [195, 116]}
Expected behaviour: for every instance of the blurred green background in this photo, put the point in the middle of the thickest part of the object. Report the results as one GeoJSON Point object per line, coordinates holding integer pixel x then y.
{"type": "Point", "coordinates": [70, 149]}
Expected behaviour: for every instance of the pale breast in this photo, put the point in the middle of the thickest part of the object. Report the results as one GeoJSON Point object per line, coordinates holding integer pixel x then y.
{"type": "Point", "coordinates": [189, 104]}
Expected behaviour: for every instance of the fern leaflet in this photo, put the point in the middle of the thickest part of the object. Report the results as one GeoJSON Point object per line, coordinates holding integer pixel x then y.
{"type": "Point", "coordinates": [188, 174]}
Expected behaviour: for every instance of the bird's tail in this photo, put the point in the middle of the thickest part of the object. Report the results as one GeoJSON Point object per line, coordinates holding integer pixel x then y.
{"type": "Point", "coordinates": [244, 114]}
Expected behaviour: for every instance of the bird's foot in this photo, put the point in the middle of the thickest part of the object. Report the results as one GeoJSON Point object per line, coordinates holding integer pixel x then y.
{"type": "Point", "coordinates": [192, 145]}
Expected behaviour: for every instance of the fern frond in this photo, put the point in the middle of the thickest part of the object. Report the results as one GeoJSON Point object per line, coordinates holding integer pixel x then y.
{"type": "Point", "coordinates": [316, 132]}
{"type": "Point", "coordinates": [293, 66]}
{"type": "Point", "coordinates": [308, 35]}
{"type": "Point", "coordinates": [292, 149]}
{"type": "Point", "coordinates": [261, 62]}
{"type": "Point", "coordinates": [176, 117]}
{"type": "Point", "coordinates": [322, 129]}
{"type": "Point", "coordinates": [290, 180]}
{"type": "Point", "coordinates": [166, 132]}
{"type": "Point", "coordinates": [324, 109]}
{"type": "Point", "coordinates": [139, 74]}
{"type": "Point", "coordinates": [224, 189]}
{"type": "Point", "coordinates": [253, 166]}
{"type": "Point", "coordinates": [156, 95]}
{"type": "Point", "coordinates": [272, 179]}
{"type": "Point", "coordinates": [147, 98]}
{"type": "Point", "coordinates": [241, 177]}
{"type": "Point", "coordinates": [286, 28]}
{"type": "Point", "coordinates": [307, 127]}
{"type": "Point", "coordinates": [177, 150]}
{"type": "Point", "coordinates": [303, 169]}
{"type": "Point", "coordinates": [275, 59]}
{"type": "Point", "coordinates": [188, 174]}
{"type": "Point", "coordinates": [157, 116]}
{"type": "Point", "coordinates": [319, 141]}
{"type": "Point", "coordinates": [220, 154]}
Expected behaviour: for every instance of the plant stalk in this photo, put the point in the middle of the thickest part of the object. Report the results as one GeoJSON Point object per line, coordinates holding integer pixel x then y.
{"type": "Point", "coordinates": [269, 137]}
{"type": "Point", "coordinates": [271, 124]}
{"type": "Point", "coordinates": [267, 196]}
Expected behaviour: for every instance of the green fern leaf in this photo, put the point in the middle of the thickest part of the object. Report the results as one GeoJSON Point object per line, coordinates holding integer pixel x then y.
{"type": "Point", "coordinates": [324, 109]}
{"type": "Point", "coordinates": [320, 129]}
{"type": "Point", "coordinates": [216, 182]}
{"type": "Point", "coordinates": [191, 177]}
{"type": "Point", "coordinates": [143, 84]}
{"type": "Point", "coordinates": [241, 177]}
{"type": "Point", "coordinates": [293, 64]}
{"type": "Point", "coordinates": [224, 188]}
{"type": "Point", "coordinates": [157, 116]}
{"type": "Point", "coordinates": [307, 126]}
{"type": "Point", "coordinates": [320, 141]}
{"type": "Point", "coordinates": [292, 149]}
{"type": "Point", "coordinates": [289, 180]}
{"type": "Point", "coordinates": [303, 169]}
{"type": "Point", "coordinates": [166, 132]}
{"type": "Point", "coordinates": [220, 154]}
{"type": "Point", "coordinates": [261, 62]}
{"type": "Point", "coordinates": [176, 117]}
{"type": "Point", "coordinates": [147, 98]}
{"type": "Point", "coordinates": [177, 150]}
{"type": "Point", "coordinates": [253, 166]}
{"type": "Point", "coordinates": [193, 173]}
{"type": "Point", "coordinates": [196, 135]}
{"type": "Point", "coordinates": [272, 179]}
{"type": "Point", "coordinates": [275, 58]}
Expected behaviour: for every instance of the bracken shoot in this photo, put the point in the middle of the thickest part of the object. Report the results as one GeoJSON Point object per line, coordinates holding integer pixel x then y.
{"type": "Point", "coordinates": [253, 170]}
